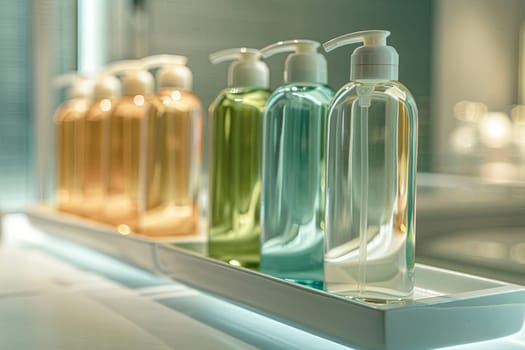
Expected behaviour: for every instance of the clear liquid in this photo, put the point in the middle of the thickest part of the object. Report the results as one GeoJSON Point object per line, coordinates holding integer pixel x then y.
{"type": "Point", "coordinates": [94, 153]}
{"type": "Point", "coordinates": [69, 120]}
{"type": "Point", "coordinates": [123, 186]}
{"type": "Point", "coordinates": [173, 162]}
{"type": "Point", "coordinates": [293, 183]}
{"type": "Point", "coordinates": [370, 219]}
{"type": "Point", "coordinates": [235, 175]}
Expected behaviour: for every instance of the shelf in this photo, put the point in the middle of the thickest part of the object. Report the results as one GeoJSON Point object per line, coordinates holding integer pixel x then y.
{"type": "Point", "coordinates": [449, 308]}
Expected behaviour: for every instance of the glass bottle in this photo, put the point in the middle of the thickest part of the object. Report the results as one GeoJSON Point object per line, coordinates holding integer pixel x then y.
{"type": "Point", "coordinates": [371, 177]}
{"type": "Point", "coordinates": [173, 152]}
{"type": "Point", "coordinates": [235, 124]}
{"type": "Point", "coordinates": [292, 215]}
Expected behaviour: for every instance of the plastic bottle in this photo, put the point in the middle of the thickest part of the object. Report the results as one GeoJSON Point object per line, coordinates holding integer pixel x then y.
{"type": "Point", "coordinates": [173, 151]}
{"type": "Point", "coordinates": [126, 124]}
{"type": "Point", "coordinates": [292, 210]}
{"type": "Point", "coordinates": [95, 147]}
{"type": "Point", "coordinates": [235, 154]}
{"type": "Point", "coordinates": [371, 176]}
{"type": "Point", "coordinates": [69, 122]}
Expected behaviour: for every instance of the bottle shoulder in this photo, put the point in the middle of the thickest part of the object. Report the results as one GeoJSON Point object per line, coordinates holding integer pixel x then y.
{"type": "Point", "coordinates": [176, 99]}
{"type": "Point", "coordinates": [131, 106]}
{"type": "Point", "coordinates": [100, 109]}
{"type": "Point", "coordinates": [241, 98]}
{"type": "Point", "coordinates": [72, 109]}
{"type": "Point", "coordinates": [392, 90]}
{"type": "Point", "coordinates": [308, 93]}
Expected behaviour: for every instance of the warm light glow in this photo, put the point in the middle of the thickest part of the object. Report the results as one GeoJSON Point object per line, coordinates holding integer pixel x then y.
{"type": "Point", "coordinates": [105, 105]}
{"type": "Point", "coordinates": [469, 111]}
{"type": "Point", "coordinates": [176, 95]}
{"type": "Point", "coordinates": [124, 229]}
{"type": "Point", "coordinates": [495, 130]}
{"type": "Point", "coordinates": [234, 263]}
{"type": "Point", "coordinates": [464, 139]}
{"type": "Point", "coordinates": [138, 100]}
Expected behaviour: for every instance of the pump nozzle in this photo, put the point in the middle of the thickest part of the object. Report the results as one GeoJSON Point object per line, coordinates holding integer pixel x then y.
{"type": "Point", "coordinates": [368, 37]}
{"type": "Point", "coordinates": [135, 79]}
{"type": "Point", "coordinates": [372, 61]}
{"type": "Point", "coordinates": [173, 71]}
{"type": "Point", "coordinates": [239, 54]}
{"type": "Point", "coordinates": [305, 64]}
{"type": "Point", "coordinates": [81, 85]}
{"type": "Point", "coordinates": [247, 70]}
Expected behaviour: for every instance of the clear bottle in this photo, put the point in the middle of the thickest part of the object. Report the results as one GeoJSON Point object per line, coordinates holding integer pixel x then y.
{"type": "Point", "coordinates": [69, 123]}
{"type": "Point", "coordinates": [292, 209]}
{"type": "Point", "coordinates": [371, 176]}
{"type": "Point", "coordinates": [95, 145]}
{"type": "Point", "coordinates": [173, 152]}
{"type": "Point", "coordinates": [123, 197]}
{"type": "Point", "coordinates": [236, 117]}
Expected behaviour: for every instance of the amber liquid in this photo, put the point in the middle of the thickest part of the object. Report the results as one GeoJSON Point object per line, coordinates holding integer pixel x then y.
{"type": "Point", "coordinates": [69, 122]}
{"type": "Point", "coordinates": [94, 158]}
{"type": "Point", "coordinates": [173, 156]}
{"type": "Point", "coordinates": [121, 207]}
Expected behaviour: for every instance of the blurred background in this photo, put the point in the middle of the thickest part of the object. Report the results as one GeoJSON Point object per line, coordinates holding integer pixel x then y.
{"type": "Point", "coordinates": [463, 60]}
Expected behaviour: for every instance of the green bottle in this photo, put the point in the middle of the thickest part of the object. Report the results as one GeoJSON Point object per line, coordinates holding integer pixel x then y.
{"type": "Point", "coordinates": [235, 157]}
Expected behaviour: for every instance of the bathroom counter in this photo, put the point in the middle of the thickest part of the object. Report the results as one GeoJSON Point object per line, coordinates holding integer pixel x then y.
{"type": "Point", "coordinates": [56, 294]}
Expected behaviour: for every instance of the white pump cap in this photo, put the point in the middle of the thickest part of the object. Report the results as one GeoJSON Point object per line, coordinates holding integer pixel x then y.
{"type": "Point", "coordinates": [372, 61]}
{"type": "Point", "coordinates": [80, 85]}
{"type": "Point", "coordinates": [135, 79]}
{"type": "Point", "coordinates": [173, 71]}
{"type": "Point", "coordinates": [304, 65]}
{"type": "Point", "coordinates": [247, 70]}
{"type": "Point", "coordinates": [106, 85]}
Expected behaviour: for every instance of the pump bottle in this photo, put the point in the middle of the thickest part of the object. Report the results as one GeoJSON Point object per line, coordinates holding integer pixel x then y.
{"type": "Point", "coordinates": [69, 122]}
{"type": "Point", "coordinates": [172, 151]}
{"type": "Point", "coordinates": [371, 176]}
{"type": "Point", "coordinates": [292, 208]}
{"type": "Point", "coordinates": [94, 150]}
{"type": "Point", "coordinates": [125, 131]}
{"type": "Point", "coordinates": [235, 154]}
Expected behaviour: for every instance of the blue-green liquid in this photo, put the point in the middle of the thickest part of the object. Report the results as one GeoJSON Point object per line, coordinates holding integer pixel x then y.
{"type": "Point", "coordinates": [236, 120]}
{"type": "Point", "coordinates": [293, 179]}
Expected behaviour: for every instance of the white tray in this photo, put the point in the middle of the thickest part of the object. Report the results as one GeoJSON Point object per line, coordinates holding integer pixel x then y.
{"type": "Point", "coordinates": [449, 308]}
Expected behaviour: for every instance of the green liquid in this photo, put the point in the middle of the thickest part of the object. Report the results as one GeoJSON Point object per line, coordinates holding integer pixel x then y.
{"type": "Point", "coordinates": [235, 154]}
{"type": "Point", "coordinates": [293, 181]}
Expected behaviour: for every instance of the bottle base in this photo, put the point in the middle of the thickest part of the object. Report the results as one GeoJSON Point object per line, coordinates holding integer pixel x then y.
{"type": "Point", "coordinates": [371, 295]}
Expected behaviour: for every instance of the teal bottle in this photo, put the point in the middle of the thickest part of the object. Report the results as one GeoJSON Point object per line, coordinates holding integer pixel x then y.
{"type": "Point", "coordinates": [292, 210]}
{"type": "Point", "coordinates": [235, 155]}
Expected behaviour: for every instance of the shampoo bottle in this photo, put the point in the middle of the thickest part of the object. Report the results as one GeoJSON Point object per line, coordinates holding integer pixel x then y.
{"type": "Point", "coordinates": [173, 151]}
{"type": "Point", "coordinates": [292, 208]}
{"type": "Point", "coordinates": [94, 151]}
{"type": "Point", "coordinates": [69, 123]}
{"type": "Point", "coordinates": [235, 153]}
{"type": "Point", "coordinates": [125, 134]}
{"type": "Point", "coordinates": [371, 176]}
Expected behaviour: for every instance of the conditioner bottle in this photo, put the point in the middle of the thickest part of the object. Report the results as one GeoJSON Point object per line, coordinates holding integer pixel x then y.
{"type": "Point", "coordinates": [236, 120]}
{"type": "Point", "coordinates": [292, 212]}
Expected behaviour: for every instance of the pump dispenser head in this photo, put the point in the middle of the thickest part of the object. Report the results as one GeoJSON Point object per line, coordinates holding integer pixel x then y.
{"type": "Point", "coordinates": [247, 70]}
{"type": "Point", "coordinates": [173, 71]}
{"type": "Point", "coordinates": [305, 64]}
{"type": "Point", "coordinates": [106, 85]}
{"type": "Point", "coordinates": [372, 61]}
{"type": "Point", "coordinates": [80, 85]}
{"type": "Point", "coordinates": [135, 79]}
